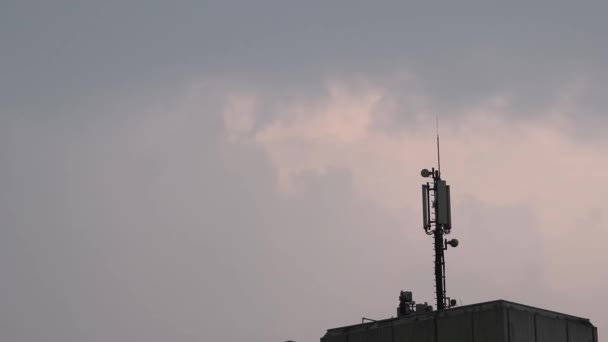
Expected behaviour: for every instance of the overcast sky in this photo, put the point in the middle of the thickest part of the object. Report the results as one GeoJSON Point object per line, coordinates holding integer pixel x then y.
{"type": "Point", "coordinates": [249, 171]}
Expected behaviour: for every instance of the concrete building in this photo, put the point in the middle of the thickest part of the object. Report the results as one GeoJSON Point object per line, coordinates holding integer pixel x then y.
{"type": "Point", "coordinates": [495, 321]}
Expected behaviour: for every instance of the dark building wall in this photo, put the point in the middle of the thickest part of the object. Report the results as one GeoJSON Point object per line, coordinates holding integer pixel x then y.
{"type": "Point", "coordinates": [422, 330]}
{"type": "Point", "coordinates": [522, 326]}
{"type": "Point", "coordinates": [494, 321]}
{"type": "Point", "coordinates": [534, 325]}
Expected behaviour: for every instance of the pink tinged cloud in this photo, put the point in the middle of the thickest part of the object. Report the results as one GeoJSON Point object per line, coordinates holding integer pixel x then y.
{"type": "Point", "coordinates": [486, 156]}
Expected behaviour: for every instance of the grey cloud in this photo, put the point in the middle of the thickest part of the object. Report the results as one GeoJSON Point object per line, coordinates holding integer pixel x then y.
{"type": "Point", "coordinates": [462, 53]}
{"type": "Point", "coordinates": [150, 225]}
{"type": "Point", "coordinates": [512, 236]}
{"type": "Point", "coordinates": [153, 227]}
{"type": "Point", "coordinates": [126, 215]}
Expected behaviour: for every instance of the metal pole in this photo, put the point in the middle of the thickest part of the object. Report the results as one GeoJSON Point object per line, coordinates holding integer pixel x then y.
{"type": "Point", "coordinates": [439, 262]}
{"type": "Point", "coordinates": [439, 256]}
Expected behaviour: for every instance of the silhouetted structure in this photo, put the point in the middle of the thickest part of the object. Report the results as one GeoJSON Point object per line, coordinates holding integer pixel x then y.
{"type": "Point", "coordinates": [437, 221]}
{"type": "Point", "coordinates": [498, 321]}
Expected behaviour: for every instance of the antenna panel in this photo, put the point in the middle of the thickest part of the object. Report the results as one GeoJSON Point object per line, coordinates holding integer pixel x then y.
{"type": "Point", "coordinates": [449, 207]}
{"type": "Point", "coordinates": [443, 204]}
{"type": "Point", "coordinates": [425, 206]}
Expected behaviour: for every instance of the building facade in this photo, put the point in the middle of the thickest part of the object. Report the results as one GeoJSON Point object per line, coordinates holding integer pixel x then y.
{"type": "Point", "coordinates": [495, 321]}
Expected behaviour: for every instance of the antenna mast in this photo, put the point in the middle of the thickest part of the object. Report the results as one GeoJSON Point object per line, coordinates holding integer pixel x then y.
{"type": "Point", "coordinates": [438, 156]}
{"type": "Point", "coordinates": [437, 221]}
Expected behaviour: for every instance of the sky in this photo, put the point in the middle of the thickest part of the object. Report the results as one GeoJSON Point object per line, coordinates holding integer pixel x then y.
{"type": "Point", "coordinates": [239, 170]}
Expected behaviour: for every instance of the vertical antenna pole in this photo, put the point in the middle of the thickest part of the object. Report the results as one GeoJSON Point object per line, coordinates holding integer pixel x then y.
{"type": "Point", "coordinates": [438, 156]}
{"type": "Point", "coordinates": [438, 244]}
{"type": "Point", "coordinates": [439, 270]}
{"type": "Point", "coordinates": [437, 222]}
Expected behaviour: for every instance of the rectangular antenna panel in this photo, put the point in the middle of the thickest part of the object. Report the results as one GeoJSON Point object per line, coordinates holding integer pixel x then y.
{"type": "Point", "coordinates": [425, 206]}
{"type": "Point", "coordinates": [443, 204]}
{"type": "Point", "coordinates": [449, 208]}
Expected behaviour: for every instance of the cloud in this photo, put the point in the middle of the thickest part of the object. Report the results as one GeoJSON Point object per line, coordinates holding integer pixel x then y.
{"type": "Point", "coordinates": [171, 215]}
{"type": "Point", "coordinates": [169, 167]}
{"type": "Point", "coordinates": [462, 54]}
{"type": "Point", "coordinates": [537, 216]}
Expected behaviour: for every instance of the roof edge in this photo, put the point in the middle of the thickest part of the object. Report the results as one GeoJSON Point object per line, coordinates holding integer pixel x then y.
{"type": "Point", "coordinates": [503, 302]}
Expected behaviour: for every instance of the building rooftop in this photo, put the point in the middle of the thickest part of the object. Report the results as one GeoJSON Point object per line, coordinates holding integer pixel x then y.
{"type": "Point", "coordinates": [497, 321]}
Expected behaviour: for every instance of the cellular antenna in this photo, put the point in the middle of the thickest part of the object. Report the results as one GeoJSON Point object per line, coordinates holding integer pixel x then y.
{"type": "Point", "coordinates": [437, 221]}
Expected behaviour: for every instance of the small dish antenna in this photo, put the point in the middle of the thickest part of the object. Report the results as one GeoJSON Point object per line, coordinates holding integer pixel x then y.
{"type": "Point", "coordinates": [454, 243]}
